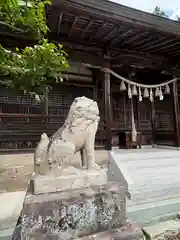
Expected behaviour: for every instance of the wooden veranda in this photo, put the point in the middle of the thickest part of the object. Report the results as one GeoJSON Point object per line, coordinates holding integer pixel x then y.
{"type": "Point", "coordinates": [109, 35]}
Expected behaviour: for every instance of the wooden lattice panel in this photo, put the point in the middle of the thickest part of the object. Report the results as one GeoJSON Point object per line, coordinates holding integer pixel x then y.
{"type": "Point", "coordinates": [164, 113]}
{"type": "Point", "coordinates": [145, 115]}
{"type": "Point", "coordinates": [118, 109]}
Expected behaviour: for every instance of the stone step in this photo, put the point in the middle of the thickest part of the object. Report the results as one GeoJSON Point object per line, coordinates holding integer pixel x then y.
{"type": "Point", "coordinates": [133, 155]}
{"type": "Point", "coordinates": [147, 213]}
{"type": "Point", "coordinates": [6, 234]}
{"type": "Point", "coordinates": [161, 171]}
{"type": "Point", "coordinates": [144, 163]}
{"type": "Point", "coordinates": [154, 196]}
{"type": "Point", "coordinates": [153, 179]}
{"type": "Point", "coordinates": [161, 227]}
{"type": "Point", "coordinates": [11, 206]}
{"type": "Point", "coordinates": [154, 183]}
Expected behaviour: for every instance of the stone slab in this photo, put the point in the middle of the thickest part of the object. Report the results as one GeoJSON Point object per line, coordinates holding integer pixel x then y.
{"type": "Point", "coordinates": [153, 177]}
{"type": "Point", "coordinates": [6, 234]}
{"type": "Point", "coordinates": [11, 205]}
{"type": "Point", "coordinates": [78, 212]}
{"type": "Point", "coordinates": [129, 231]}
{"type": "Point", "coordinates": [161, 227]}
{"type": "Point", "coordinates": [71, 180]}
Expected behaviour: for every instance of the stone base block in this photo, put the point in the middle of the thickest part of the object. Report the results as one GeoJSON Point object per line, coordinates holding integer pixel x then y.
{"type": "Point", "coordinates": [129, 231]}
{"type": "Point", "coordinates": [73, 214]}
{"type": "Point", "coordinates": [69, 180]}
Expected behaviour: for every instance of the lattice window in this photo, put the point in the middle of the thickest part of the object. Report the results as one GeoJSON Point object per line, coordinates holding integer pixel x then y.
{"type": "Point", "coordinates": [118, 109]}
{"type": "Point", "coordinates": [145, 114]}
{"type": "Point", "coordinates": [164, 113]}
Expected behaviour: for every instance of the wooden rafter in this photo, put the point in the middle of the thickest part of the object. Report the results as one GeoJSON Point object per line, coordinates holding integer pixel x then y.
{"type": "Point", "coordinates": [73, 26]}
{"type": "Point", "coordinates": [100, 27]}
{"type": "Point", "coordinates": [143, 41]}
{"type": "Point", "coordinates": [137, 37]}
{"type": "Point", "coordinates": [86, 28]}
{"type": "Point", "coordinates": [175, 54]}
{"type": "Point", "coordinates": [120, 38]}
{"type": "Point", "coordinates": [166, 47]}
{"type": "Point", "coordinates": [158, 45]}
{"type": "Point", "coordinates": [175, 48]}
{"type": "Point", "coordinates": [59, 23]}
{"type": "Point", "coordinates": [107, 35]}
{"type": "Point", "coordinates": [152, 43]}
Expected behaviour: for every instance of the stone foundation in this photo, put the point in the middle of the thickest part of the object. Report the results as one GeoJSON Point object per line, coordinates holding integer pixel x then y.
{"type": "Point", "coordinates": [73, 214]}
{"type": "Point", "coordinates": [129, 231]}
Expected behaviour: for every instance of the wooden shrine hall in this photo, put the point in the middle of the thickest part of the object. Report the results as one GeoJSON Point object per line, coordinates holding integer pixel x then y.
{"type": "Point", "coordinates": [125, 59]}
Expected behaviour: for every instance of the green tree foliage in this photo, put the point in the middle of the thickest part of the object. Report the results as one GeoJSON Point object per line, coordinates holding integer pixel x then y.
{"type": "Point", "coordinates": [26, 16]}
{"type": "Point", "coordinates": [159, 12]}
{"type": "Point", "coordinates": [32, 69]}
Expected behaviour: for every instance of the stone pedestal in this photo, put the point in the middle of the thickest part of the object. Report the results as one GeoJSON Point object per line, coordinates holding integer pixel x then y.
{"type": "Point", "coordinates": [71, 179]}
{"type": "Point", "coordinates": [74, 214]}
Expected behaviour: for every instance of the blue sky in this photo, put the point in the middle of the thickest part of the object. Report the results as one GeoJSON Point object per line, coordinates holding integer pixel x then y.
{"type": "Point", "coordinates": [171, 7]}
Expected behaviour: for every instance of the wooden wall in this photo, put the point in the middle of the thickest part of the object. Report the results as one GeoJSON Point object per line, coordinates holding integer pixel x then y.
{"type": "Point", "coordinates": [142, 112]}
{"type": "Point", "coordinates": [25, 119]}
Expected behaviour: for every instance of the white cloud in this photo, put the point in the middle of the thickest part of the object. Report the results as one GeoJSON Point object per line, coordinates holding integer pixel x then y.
{"type": "Point", "coordinates": [172, 6]}
{"type": "Point", "coordinates": [175, 14]}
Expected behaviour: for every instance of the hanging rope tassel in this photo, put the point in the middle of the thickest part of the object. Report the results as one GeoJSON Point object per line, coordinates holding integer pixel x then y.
{"type": "Point", "coordinates": [146, 93]}
{"type": "Point", "coordinates": [134, 91]}
{"type": "Point", "coordinates": [122, 86]}
{"type": "Point", "coordinates": [129, 91]}
{"type": "Point", "coordinates": [167, 90]}
{"type": "Point", "coordinates": [151, 95]}
{"type": "Point", "coordinates": [134, 132]}
{"type": "Point", "coordinates": [157, 93]}
{"type": "Point", "coordinates": [161, 97]}
{"type": "Point", "coordinates": [140, 96]}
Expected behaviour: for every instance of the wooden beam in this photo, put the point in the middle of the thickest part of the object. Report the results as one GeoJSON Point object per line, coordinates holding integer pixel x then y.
{"type": "Point", "coordinates": [82, 46]}
{"type": "Point", "coordinates": [176, 114]}
{"type": "Point", "coordinates": [73, 26]}
{"type": "Point", "coordinates": [166, 47]}
{"type": "Point", "coordinates": [107, 35]}
{"type": "Point", "coordinates": [136, 37]}
{"type": "Point", "coordinates": [158, 45]}
{"type": "Point", "coordinates": [59, 23]}
{"type": "Point", "coordinates": [175, 53]}
{"type": "Point", "coordinates": [169, 51]}
{"type": "Point", "coordinates": [143, 41]}
{"type": "Point", "coordinates": [86, 28]}
{"type": "Point", "coordinates": [120, 38]}
{"type": "Point", "coordinates": [152, 43]}
{"type": "Point", "coordinates": [94, 35]}
{"type": "Point", "coordinates": [153, 123]}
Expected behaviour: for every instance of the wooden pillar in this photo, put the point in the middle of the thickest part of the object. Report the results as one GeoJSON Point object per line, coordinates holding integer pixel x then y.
{"type": "Point", "coordinates": [108, 111]}
{"type": "Point", "coordinates": [153, 123]}
{"type": "Point", "coordinates": [176, 114]}
{"type": "Point", "coordinates": [96, 85]}
{"type": "Point", "coordinates": [46, 101]}
{"type": "Point", "coordinates": [46, 105]}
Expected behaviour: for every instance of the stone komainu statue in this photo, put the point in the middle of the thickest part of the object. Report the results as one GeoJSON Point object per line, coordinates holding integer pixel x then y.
{"type": "Point", "coordinates": [77, 134]}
